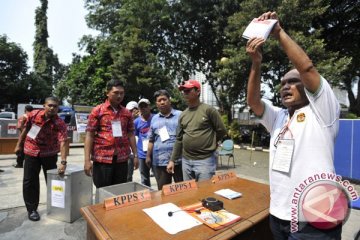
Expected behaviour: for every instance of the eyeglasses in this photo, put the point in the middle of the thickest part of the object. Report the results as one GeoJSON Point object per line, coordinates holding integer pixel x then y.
{"type": "Point", "coordinates": [279, 136]}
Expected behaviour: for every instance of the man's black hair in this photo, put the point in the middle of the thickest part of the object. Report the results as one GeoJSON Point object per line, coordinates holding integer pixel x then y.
{"type": "Point", "coordinates": [114, 83]}
{"type": "Point", "coordinates": [55, 99]}
{"type": "Point", "coordinates": [161, 92]}
{"type": "Point", "coordinates": [29, 108]}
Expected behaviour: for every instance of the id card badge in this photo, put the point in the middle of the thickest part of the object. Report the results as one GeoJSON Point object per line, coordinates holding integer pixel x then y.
{"type": "Point", "coordinates": [34, 130]}
{"type": "Point", "coordinates": [145, 144]}
{"type": "Point", "coordinates": [283, 155]}
{"type": "Point", "coordinates": [164, 135]}
{"type": "Point", "coordinates": [116, 128]}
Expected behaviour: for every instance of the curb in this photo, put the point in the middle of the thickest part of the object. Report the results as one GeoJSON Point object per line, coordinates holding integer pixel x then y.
{"type": "Point", "coordinates": [261, 149]}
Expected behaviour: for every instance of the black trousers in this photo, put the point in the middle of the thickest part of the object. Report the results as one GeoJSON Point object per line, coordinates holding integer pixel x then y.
{"type": "Point", "coordinates": [20, 158]}
{"type": "Point", "coordinates": [31, 182]}
{"type": "Point", "coordinates": [163, 177]}
{"type": "Point", "coordinates": [105, 174]}
{"type": "Point", "coordinates": [281, 231]}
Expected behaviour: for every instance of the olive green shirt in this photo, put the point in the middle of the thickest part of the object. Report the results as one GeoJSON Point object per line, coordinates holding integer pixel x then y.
{"type": "Point", "coordinates": [198, 132]}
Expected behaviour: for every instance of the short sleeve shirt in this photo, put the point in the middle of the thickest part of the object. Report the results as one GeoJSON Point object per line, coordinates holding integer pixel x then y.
{"type": "Point", "coordinates": [142, 128]}
{"type": "Point", "coordinates": [47, 141]}
{"type": "Point", "coordinates": [162, 149]}
{"type": "Point", "coordinates": [21, 122]}
{"type": "Point", "coordinates": [313, 128]}
{"type": "Point", "coordinates": [100, 122]}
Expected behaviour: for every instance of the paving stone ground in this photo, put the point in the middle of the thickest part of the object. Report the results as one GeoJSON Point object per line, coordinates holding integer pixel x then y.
{"type": "Point", "coordinates": [14, 223]}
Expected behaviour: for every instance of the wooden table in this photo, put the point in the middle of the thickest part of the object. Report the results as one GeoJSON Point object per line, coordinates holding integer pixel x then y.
{"type": "Point", "coordinates": [132, 223]}
{"type": "Point", "coordinates": [7, 145]}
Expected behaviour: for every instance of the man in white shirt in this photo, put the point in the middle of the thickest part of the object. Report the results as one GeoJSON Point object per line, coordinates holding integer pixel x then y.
{"type": "Point", "coordinates": [302, 135]}
{"type": "Point", "coordinates": [133, 107]}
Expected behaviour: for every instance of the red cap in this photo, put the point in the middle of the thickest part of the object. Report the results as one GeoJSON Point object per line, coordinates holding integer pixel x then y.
{"type": "Point", "coordinates": [190, 84]}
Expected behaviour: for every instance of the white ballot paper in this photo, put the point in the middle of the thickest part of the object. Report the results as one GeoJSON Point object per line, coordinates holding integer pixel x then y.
{"type": "Point", "coordinates": [179, 221]}
{"type": "Point", "coordinates": [228, 193]}
{"type": "Point", "coordinates": [260, 29]}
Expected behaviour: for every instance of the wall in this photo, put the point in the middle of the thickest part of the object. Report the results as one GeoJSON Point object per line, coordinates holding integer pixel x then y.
{"type": "Point", "coordinates": [347, 149]}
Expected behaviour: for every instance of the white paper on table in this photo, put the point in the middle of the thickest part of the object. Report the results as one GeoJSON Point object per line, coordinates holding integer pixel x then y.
{"type": "Point", "coordinates": [228, 193]}
{"type": "Point", "coordinates": [179, 221]}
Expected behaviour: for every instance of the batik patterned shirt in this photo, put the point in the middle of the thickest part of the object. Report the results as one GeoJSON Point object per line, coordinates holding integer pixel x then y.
{"type": "Point", "coordinates": [47, 141]}
{"type": "Point", "coordinates": [105, 144]}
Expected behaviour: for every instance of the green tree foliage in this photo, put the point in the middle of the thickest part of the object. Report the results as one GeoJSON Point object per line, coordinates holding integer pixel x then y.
{"type": "Point", "coordinates": [141, 53]}
{"type": "Point", "coordinates": [199, 35]}
{"type": "Point", "coordinates": [234, 132]}
{"type": "Point", "coordinates": [150, 44]}
{"type": "Point", "coordinates": [103, 15]}
{"type": "Point", "coordinates": [340, 24]}
{"type": "Point", "coordinates": [47, 68]}
{"type": "Point", "coordinates": [14, 80]}
{"type": "Point", "coordinates": [42, 53]}
{"type": "Point", "coordinates": [275, 63]}
{"type": "Point", "coordinates": [131, 47]}
{"type": "Point", "coordinates": [86, 78]}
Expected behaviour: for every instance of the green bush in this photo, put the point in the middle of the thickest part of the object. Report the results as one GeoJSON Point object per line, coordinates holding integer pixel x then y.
{"type": "Point", "coordinates": [234, 132]}
{"type": "Point", "coordinates": [225, 120]}
{"type": "Point", "coordinates": [351, 116]}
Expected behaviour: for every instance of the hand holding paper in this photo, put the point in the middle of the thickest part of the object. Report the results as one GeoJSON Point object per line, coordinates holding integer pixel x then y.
{"type": "Point", "coordinates": [259, 28]}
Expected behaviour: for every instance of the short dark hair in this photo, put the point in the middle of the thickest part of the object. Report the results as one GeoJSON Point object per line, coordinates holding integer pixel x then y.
{"type": "Point", "coordinates": [55, 99]}
{"type": "Point", "coordinates": [113, 83]}
{"type": "Point", "coordinates": [161, 92]}
{"type": "Point", "coordinates": [29, 108]}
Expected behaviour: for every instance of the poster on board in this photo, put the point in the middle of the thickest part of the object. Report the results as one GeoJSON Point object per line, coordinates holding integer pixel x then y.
{"type": "Point", "coordinates": [81, 121]}
{"type": "Point", "coordinates": [11, 130]}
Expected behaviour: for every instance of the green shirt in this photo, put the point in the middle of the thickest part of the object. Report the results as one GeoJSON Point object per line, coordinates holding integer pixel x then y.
{"type": "Point", "coordinates": [198, 132]}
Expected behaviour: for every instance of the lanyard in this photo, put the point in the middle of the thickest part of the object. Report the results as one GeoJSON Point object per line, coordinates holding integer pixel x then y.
{"type": "Point", "coordinates": [282, 132]}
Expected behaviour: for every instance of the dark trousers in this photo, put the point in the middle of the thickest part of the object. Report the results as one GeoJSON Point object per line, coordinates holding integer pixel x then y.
{"type": "Point", "coordinates": [31, 182]}
{"type": "Point", "coordinates": [130, 168]}
{"type": "Point", "coordinates": [144, 172]}
{"type": "Point", "coordinates": [105, 174]}
{"type": "Point", "coordinates": [163, 177]}
{"type": "Point", "coordinates": [20, 158]}
{"type": "Point", "coordinates": [281, 231]}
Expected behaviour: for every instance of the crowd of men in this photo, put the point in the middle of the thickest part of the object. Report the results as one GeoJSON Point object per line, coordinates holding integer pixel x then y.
{"type": "Point", "coordinates": [121, 139]}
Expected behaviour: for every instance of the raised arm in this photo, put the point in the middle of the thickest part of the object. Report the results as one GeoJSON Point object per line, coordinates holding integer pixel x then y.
{"type": "Point", "coordinates": [301, 61]}
{"type": "Point", "coordinates": [253, 49]}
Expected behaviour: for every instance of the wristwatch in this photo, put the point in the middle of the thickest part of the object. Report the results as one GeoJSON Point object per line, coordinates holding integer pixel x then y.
{"type": "Point", "coordinates": [135, 156]}
{"type": "Point", "coordinates": [63, 162]}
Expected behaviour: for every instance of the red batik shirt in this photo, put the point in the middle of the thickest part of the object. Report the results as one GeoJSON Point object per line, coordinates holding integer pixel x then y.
{"type": "Point", "coordinates": [104, 143]}
{"type": "Point", "coordinates": [47, 142]}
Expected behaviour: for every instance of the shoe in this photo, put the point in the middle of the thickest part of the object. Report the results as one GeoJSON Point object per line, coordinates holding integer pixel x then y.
{"type": "Point", "coordinates": [34, 215]}
{"type": "Point", "coordinates": [17, 166]}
